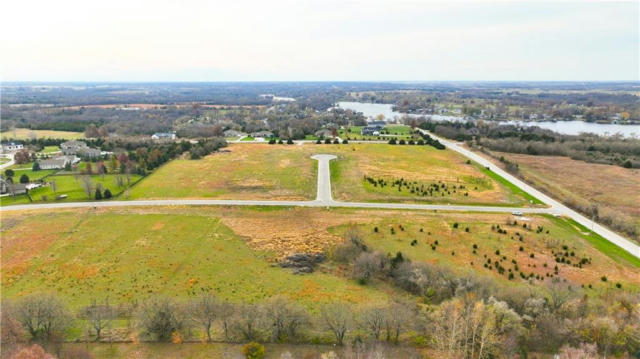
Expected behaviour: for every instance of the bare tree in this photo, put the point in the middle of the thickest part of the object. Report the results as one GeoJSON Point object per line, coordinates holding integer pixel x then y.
{"type": "Point", "coordinates": [54, 185]}
{"type": "Point", "coordinates": [285, 317]}
{"type": "Point", "coordinates": [225, 312]}
{"type": "Point", "coordinates": [373, 320]}
{"type": "Point", "coordinates": [43, 315]}
{"type": "Point", "coordinates": [87, 185]}
{"type": "Point", "coordinates": [98, 316]}
{"type": "Point", "coordinates": [338, 318]}
{"type": "Point", "coordinates": [161, 317]}
{"type": "Point", "coordinates": [248, 320]}
{"type": "Point", "coordinates": [203, 311]}
{"type": "Point", "coordinates": [398, 316]}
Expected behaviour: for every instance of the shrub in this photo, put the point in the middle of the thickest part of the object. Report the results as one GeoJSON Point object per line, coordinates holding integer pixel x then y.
{"type": "Point", "coordinates": [36, 166]}
{"type": "Point", "coordinates": [98, 195]}
{"type": "Point", "coordinates": [402, 142]}
{"type": "Point", "coordinates": [107, 194]}
{"type": "Point", "coordinates": [289, 141]}
{"type": "Point", "coordinates": [318, 141]}
{"type": "Point", "coordinates": [336, 142]}
{"type": "Point", "coordinates": [392, 141]}
{"type": "Point", "coordinates": [327, 141]}
{"type": "Point", "coordinates": [24, 179]}
{"type": "Point", "coordinates": [253, 350]}
{"type": "Point", "coordinates": [345, 142]}
{"type": "Point", "coordinates": [280, 142]}
{"type": "Point", "coordinates": [272, 141]}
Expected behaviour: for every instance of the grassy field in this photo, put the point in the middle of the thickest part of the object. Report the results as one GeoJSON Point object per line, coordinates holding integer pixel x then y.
{"type": "Point", "coordinates": [262, 171]}
{"type": "Point", "coordinates": [129, 254]}
{"type": "Point", "coordinates": [614, 189]}
{"type": "Point", "coordinates": [50, 149]}
{"type": "Point", "coordinates": [67, 184]}
{"type": "Point", "coordinates": [132, 254]}
{"type": "Point", "coordinates": [240, 171]}
{"type": "Point", "coordinates": [26, 134]}
{"type": "Point", "coordinates": [423, 165]}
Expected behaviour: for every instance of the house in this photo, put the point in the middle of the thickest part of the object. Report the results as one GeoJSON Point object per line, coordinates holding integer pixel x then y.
{"type": "Point", "coordinates": [373, 128]}
{"type": "Point", "coordinates": [12, 147]}
{"type": "Point", "coordinates": [58, 162]}
{"type": "Point", "coordinates": [163, 136]}
{"type": "Point", "coordinates": [12, 188]}
{"type": "Point", "coordinates": [265, 134]}
{"type": "Point", "coordinates": [80, 149]}
{"type": "Point", "coordinates": [234, 133]}
{"type": "Point", "coordinates": [324, 133]}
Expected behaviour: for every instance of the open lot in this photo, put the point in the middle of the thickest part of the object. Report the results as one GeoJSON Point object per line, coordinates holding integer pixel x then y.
{"type": "Point", "coordinates": [262, 171]}
{"type": "Point", "coordinates": [241, 171]}
{"type": "Point", "coordinates": [615, 190]}
{"type": "Point", "coordinates": [131, 254]}
{"type": "Point", "coordinates": [27, 134]}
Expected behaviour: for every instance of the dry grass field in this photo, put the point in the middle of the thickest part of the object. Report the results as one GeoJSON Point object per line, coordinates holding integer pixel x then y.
{"type": "Point", "coordinates": [241, 171]}
{"type": "Point", "coordinates": [27, 134]}
{"type": "Point", "coordinates": [286, 172]}
{"type": "Point", "coordinates": [614, 189]}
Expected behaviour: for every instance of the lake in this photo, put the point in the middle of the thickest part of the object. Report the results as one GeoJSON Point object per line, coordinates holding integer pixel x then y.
{"type": "Point", "coordinates": [563, 127]}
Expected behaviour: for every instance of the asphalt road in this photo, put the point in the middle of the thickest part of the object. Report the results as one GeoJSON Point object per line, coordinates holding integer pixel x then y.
{"type": "Point", "coordinates": [324, 178]}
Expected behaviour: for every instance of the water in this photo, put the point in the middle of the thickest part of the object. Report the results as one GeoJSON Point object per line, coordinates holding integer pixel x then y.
{"type": "Point", "coordinates": [563, 127]}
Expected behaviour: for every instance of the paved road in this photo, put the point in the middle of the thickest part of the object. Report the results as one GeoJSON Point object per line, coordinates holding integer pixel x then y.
{"type": "Point", "coordinates": [324, 179]}
{"type": "Point", "coordinates": [556, 207]}
{"type": "Point", "coordinates": [10, 163]}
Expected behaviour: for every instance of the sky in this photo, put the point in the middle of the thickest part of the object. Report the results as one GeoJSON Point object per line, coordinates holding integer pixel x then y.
{"type": "Point", "coordinates": [238, 40]}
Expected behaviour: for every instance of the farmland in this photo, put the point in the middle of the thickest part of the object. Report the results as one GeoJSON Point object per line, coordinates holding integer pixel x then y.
{"type": "Point", "coordinates": [26, 134]}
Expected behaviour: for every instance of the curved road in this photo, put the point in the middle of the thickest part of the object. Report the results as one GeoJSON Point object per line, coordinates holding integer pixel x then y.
{"type": "Point", "coordinates": [324, 199]}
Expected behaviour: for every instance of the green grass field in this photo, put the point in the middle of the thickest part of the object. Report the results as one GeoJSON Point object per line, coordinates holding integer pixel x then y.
{"type": "Point", "coordinates": [50, 149]}
{"type": "Point", "coordinates": [69, 185]}
{"type": "Point", "coordinates": [132, 255]}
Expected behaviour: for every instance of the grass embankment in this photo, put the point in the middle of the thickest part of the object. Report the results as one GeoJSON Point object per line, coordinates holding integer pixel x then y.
{"type": "Point", "coordinates": [27, 134]}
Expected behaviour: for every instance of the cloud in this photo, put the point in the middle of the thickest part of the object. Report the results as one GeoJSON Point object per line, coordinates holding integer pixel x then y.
{"type": "Point", "coordinates": [304, 40]}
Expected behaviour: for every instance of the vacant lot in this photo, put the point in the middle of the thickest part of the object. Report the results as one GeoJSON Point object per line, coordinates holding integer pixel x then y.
{"type": "Point", "coordinates": [27, 134]}
{"type": "Point", "coordinates": [615, 190]}
{"type": "Point", "coordinates": [241, 171]}
{"type": "Point", "coordinates": [262, 171]}
{"type": "Point", "coordinates": [129, 255]}
{"type": "Point", "coordinates": [420, 167]}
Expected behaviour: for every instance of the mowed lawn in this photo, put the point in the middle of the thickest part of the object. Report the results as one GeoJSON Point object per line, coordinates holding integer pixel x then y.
{"type": "Point", "coordinates": [27, 134]}
{"type": "Point", "coordinates": [614, 189]}
{"type": "Point", "coordinates": [240, 171]}
{"type": "Point", "coordinates": [133, 254]}
{"type": "Point", "coordinates": [66, 184]}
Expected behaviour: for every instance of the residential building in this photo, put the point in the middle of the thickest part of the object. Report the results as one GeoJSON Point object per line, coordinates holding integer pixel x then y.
{"type": "Point", "coordinates": [12, 147]}
{"type": "Point", "coordinates": [80, 149]}
{"type": "Point", "coordinates": [164, 136]}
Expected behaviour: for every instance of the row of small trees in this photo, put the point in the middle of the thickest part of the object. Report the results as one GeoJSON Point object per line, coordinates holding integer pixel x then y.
{"type": "Point", "coordinates": [45, 317]}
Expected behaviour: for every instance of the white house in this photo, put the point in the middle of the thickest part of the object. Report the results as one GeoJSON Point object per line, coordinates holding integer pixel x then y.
{"type": "Point", "coordinates": [163, 136]}
{"type": "Point", "coordinates": [12, 147]}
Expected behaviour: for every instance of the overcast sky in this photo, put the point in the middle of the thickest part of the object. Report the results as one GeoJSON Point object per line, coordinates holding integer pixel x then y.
{"type": "Point", "coordinates": [187, 40]}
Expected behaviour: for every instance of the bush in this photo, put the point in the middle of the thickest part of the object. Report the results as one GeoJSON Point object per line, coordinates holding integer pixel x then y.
{"type": "Point", "coordinates": [272, 141]}
{"type": "Point", "coordinates": [280, 142]}
{"type": "Point", "coordinates": [98, 194]}
{"type": "Point", "coordinates": [289, 141]}
{"type": "Point", "coordinates": [36, 166]}
{"type": "Point", "coordinates": [344, 142]}
{"type": "Point", "coordinates": [107, 194]}
{"type": "Point", "coordinates": [253, 350]}
{"type": "Point", "coordinates": [402, 142]}
{"type": "Point", "coordinates": [327, 141]}
{"type": "Point", "coordinates": [336, 142]}
{"type": "Point", "coordinates": [392, 141]}
{"type": "Point", "coordinates": [24, 179]}
{"type": "Point", "coordinates": [318, 141]}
